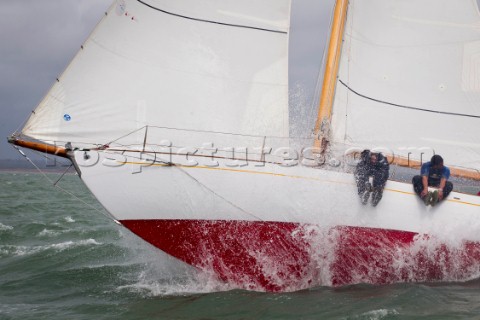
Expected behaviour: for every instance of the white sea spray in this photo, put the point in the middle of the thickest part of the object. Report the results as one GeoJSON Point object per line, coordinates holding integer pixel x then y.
{"type": "Point", "coordinates": [5, 227]}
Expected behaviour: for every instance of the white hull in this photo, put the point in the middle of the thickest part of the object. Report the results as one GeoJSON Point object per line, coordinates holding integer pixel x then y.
{"type": "Point", "coordinates": [271, 193]}
{"type": "Point", "coordinates": [317, 198]}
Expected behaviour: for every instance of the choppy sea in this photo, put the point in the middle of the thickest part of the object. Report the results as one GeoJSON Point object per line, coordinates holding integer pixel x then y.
{"type": "Point", "coordinates": [62, 257]}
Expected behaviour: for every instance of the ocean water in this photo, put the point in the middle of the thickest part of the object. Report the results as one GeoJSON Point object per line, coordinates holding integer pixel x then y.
{"type": "Point", "coordinates": [62, 257]}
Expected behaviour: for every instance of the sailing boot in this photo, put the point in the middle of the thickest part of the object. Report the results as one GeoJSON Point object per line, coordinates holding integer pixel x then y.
{"type": "Point", "coordinates": [364, 197]}
{"type": "Point", "coordinates": [434, 198]}
{"type": "Point", "coordinates": [376, 197]}
{"type": "Point", "coordinates": [427, 198]}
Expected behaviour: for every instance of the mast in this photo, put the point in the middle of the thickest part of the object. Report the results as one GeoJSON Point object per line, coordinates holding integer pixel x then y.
{"type": "Point", "coordinates": [330, 76]}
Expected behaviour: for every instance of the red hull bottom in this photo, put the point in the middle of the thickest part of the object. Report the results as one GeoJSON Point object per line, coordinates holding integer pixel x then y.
{"type": "Point", "coordinates": [275, 256]}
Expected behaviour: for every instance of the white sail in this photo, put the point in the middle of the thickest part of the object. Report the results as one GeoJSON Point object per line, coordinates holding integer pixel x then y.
{"type": "Point", "coordinates": [210, 65]}
{"type": "Point", "coordinates": [409, 80]}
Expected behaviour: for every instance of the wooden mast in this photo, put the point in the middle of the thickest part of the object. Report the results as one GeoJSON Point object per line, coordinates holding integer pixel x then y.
{"type": "Point", "coordinates": [330, 75]}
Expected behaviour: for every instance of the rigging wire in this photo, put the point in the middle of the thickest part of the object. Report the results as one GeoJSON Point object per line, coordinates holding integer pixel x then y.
{"type": "Point", "coordinates": [22, 124]}
{"type": "Point", "coordinates": [124, 136]}
{"type": "Point", "coordinates": [63, 174]}
{"type": "Point", "coordinates": [55, 184]}
{"type": "Point", "coordinates": [170, 164]}
{"type": "Point", "coordinates": [208, 131]}
{"type": "Point", "coordinates": [216, 194]}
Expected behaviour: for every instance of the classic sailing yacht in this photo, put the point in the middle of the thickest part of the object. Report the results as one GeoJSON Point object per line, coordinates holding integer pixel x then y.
{"type": "Point", "coordinates": [175, 115]}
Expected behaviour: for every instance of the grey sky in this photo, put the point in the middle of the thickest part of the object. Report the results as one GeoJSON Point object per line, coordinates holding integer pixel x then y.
{"type": "Point", "coordinates": [39, 38]}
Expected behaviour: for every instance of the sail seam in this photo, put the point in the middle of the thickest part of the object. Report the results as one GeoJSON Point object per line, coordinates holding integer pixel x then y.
{"type": "Point", "coordinates": [211, 21]}
{"type": "Point", "coordinates": [408, 107]}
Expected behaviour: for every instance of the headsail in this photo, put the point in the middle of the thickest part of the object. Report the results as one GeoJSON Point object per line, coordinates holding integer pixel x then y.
{"type": "Point", "coordinates": [209, 65]}
{"type": "Point", "coordinates": [409, 80]}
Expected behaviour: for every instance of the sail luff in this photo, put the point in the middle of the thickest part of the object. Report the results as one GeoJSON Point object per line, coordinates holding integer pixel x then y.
{"type": "Point", "coordinates": [331, 69]}
{"type": "Point", "coordinates": [28, 120]}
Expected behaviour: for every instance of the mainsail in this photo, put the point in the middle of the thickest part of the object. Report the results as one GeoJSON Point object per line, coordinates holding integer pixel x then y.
{"type": "Point", "coordinates": [409, 80]}
{"type": "Point", "coordinates": [209, 65]}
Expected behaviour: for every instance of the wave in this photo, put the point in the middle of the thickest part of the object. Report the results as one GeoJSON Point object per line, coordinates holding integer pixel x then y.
{"type": "Point", "coordinates": [13, 250]}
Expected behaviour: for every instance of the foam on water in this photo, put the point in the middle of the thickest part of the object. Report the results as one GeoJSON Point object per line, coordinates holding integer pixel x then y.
{"type": "Point", "coordinates": [377, 314]}
{"type": "Point", "coordinates": [69, 219]}
{"type": "Point", "coordinates": [171, 284]}
{"type": "Point", "coordinates": [49, 233]}
{"type": "Point", "coordinates": [157, 274]}
{"type": "Point", "coordinates": [14, 250]}
{"type": "Point", "coordinates": [5, 227]}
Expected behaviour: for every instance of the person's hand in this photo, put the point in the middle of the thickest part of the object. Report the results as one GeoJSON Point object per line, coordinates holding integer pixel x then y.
{"type": "Point", "coordinates": [368, 187]}
{"type": "Point", "coordinates": [423, 193]}
{"type": "Point", "coordinates": [440, 194]}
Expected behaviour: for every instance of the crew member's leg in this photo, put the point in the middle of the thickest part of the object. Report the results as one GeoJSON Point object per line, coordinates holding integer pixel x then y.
{"type": "Point", "coordinates": [362, 178]}
{"type": "Point", "coordinates": [379, 181]}
{"type": "Point", "coordinates": [417, 184]}
{"type": "Point", "coordinates": [448, 188]}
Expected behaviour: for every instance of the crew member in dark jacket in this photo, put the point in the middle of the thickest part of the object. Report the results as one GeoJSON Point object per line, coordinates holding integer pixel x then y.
{"type": "Point", "coordinates": [371, 165]}
{"type": "Point", "coordinates": [433, 174]}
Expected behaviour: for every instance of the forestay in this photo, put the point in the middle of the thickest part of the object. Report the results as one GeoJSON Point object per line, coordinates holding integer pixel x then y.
{"type": "Point", "coordinates": [409, 80]}
{"type": "Point", "coordinates": [195, 65]}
